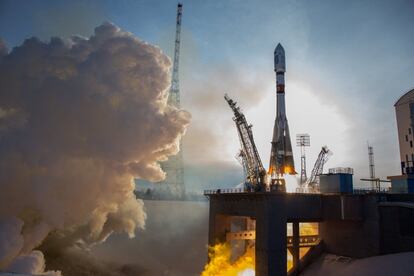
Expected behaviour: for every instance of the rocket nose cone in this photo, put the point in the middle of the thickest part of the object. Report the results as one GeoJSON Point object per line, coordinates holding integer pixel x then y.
{"type": "Point", "coordinates": [279, 57]}
{"type": "Point", "coordinates": [279, 49]}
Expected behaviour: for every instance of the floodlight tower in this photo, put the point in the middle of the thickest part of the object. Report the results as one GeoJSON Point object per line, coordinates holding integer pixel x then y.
{"type": "Point", "coordinates": [302, 141]}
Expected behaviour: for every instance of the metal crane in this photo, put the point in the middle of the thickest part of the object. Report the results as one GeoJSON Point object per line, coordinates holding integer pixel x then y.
{"type": "Point", "coordinates": [252, 164]}
{"type": "Point", "coordinates": [312, 184]}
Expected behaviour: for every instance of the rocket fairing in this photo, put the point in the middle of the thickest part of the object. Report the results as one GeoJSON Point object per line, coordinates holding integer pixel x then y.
{"type": "Point", "coordinates": [281, 157]}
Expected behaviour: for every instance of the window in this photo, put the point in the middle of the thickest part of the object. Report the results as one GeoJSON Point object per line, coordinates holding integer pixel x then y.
{"type": "Point", "coordinates": [409, 130]}
{"type": "Point", "coordinates": [406, 138]}
{"type": "Point", "coordinates": [406, 158]}
{"type": "Point", "coordinates": [411, 143]}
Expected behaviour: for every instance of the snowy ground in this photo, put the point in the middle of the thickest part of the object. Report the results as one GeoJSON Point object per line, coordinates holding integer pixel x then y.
{"type": "Point", "coordinates": [401, 264]}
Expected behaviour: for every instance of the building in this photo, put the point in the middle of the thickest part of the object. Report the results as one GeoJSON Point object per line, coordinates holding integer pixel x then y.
{"type": "Point", "coordinates": [404, 109]}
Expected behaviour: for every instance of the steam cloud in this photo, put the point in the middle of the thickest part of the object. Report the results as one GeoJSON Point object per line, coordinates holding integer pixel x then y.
{"type": "Point", "coordinates": [79, 118]}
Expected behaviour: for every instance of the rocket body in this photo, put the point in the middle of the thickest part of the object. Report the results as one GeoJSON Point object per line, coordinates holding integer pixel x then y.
{"type": "Point", "coordinates": [281, 156]}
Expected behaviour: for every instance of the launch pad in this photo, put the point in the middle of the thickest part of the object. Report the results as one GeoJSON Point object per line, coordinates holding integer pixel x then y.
{"type": "Point", "coordinates": [352, 225]}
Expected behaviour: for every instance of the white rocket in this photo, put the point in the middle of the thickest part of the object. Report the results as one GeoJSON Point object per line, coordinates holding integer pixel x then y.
{"type": "Point", "coordinates": [281, 157]}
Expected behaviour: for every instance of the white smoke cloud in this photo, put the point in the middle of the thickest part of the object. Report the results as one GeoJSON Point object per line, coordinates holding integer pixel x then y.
{"type": "Point", "coordinates": [33, 263]}
{"type": "Point", "coordinates": [11, 239]}
{"type": "Point", "coordinates": [79, 119]}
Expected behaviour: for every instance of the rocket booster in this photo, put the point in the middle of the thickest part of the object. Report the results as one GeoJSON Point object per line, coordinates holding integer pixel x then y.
{"type": "Point", "coordinates": [281, 157]}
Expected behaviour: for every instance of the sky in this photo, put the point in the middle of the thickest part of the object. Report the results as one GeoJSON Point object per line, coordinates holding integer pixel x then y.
{"type": "Point", "coordinates": [348, 62]}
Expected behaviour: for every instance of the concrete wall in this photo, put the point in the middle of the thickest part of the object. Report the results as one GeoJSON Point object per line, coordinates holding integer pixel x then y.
{"type": "Point", "coordinates": [357, 238]}
{"type": "Point", "coordinates": [397, 229]}
{"type": "Point", "coordinates": [342, 207]}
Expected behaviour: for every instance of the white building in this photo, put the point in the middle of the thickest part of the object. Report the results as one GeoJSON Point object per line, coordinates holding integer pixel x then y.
{"type": "Point", "coordinates": [404, 109]}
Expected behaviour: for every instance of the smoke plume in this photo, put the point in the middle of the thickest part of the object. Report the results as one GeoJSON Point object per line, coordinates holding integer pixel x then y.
{"type": "Point", "coordinates": [79, 118]}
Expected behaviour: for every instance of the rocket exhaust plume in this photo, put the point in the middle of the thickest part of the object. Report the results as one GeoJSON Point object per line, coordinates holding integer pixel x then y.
{"type": "Point", "coordinates": [281, 156]}
{"type": "Point", "coordinates": [79, 118]}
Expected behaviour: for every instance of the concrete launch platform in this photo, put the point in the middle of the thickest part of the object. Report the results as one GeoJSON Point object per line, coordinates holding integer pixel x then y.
{"type": "Point", "coordinates": [353, 225]}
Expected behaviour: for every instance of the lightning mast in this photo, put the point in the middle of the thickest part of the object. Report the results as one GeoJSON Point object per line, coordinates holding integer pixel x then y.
{"type": "Point", "coordinates": [371, 164]}
{"type": "Point", "coordinates": [174, 166]}
{"type": "Point", "coordinates": [174, 98]}
{"type": "Point", "coordinates": [375, 181]}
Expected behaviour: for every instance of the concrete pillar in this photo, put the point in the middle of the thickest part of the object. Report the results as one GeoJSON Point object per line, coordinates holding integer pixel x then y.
{"type": "Point", "coordinates": [295, 241]}
{"type": "Point", "coordinates": [219, 225]}
{"type": "Point", "coordinates": [271, 250]}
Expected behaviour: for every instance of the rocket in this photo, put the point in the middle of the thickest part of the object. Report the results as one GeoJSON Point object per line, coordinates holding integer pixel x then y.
{"type": "Point", "coordinates": [281, 157]}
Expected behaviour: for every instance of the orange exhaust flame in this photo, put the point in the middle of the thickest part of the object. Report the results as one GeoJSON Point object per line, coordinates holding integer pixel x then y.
{"type": "Point", "coordinates": [220, 256]}
{"type": "Point", "coordinates": [285, 170]}
{"type": "Point", "coordinates": [220, 263]}
{"type": "Point", "coordinates": [289, 170]}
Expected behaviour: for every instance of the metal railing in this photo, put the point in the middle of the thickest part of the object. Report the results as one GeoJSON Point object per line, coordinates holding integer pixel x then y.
{"type": "Point", "coordinates": [384, 190]}
{"type": "Point", "coordinates": [225, 191]}
{"type": "Point", "coordinates": [241, 190]}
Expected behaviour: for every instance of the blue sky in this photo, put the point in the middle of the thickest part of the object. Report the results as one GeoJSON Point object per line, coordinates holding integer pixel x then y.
{"type": "Point", "coordinates": [347, 63]}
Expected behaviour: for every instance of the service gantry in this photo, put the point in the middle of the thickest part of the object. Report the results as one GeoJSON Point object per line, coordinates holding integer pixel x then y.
{"type": "Point", "coordinates": [312, 183]}
{"type": "Point", "coordinates": [255, 173]}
